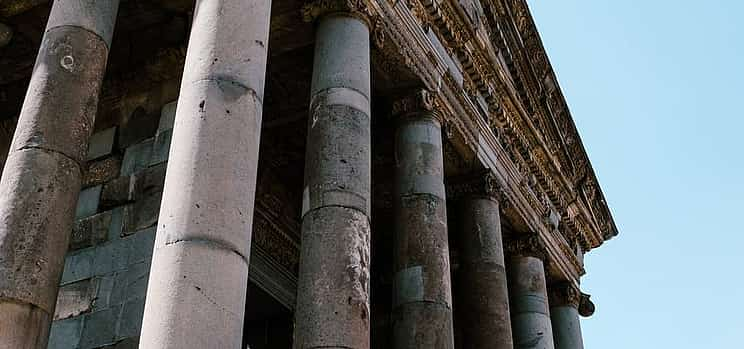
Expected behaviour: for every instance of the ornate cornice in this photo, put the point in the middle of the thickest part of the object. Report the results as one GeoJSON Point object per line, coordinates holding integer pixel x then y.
{"type": "Point", "coordinates": [526, 246]}
{"type": "Point", "coordinates": [564, 294]}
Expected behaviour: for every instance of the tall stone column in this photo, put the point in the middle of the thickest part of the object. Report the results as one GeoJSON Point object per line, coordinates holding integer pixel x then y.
{"type": "Point", "coordinates": [564, 314]}
{"type": "Point", "coordinates": [333, 286]}
{"type": "Point", "coordinates": [42, 176]}
{"type": "Point", "coordinates": [528, 294]}
{"type": "Point", "coordinates": [422, 295]}
{"type": "Point", "coordinates": [199, 274]}
{"type": "Point", "coordinates": [483, 298]}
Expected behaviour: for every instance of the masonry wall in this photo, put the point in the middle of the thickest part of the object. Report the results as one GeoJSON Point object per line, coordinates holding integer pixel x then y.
{"type": "Point", "coordinates": [103, 287]}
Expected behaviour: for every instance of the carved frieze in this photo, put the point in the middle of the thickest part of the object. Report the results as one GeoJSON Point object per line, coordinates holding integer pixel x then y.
{"type": "Point", "coordinates": [313, 10]}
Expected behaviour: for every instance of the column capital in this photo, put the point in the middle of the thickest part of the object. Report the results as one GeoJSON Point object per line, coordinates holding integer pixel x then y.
{"type": "Point", "coordinates": [416, 103]}
{"type": "Point", "coordinates": [526, 246]}
{"type": "Point", "coordinates": [564, 293]}
{"type": "Point", "coordinates": [313, 10]}
{"type": "Point", "coordinates": [481, 184]}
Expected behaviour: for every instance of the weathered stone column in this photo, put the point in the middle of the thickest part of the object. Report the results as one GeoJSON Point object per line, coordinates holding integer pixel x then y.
{"type": "Point", "coordinates": [528, 294]}
{"type": "Point", "coordinates": [196, 293]}
{"type": "Point", "coordinates": [422, 295]}
{"type": "Point", "coordinates": [564, 313]}
{"type": "Point", "coordinates": [42, 177]}
{"type": "Point", "coordinates": [333, 286]}
{"type": "Point", "coordinates": [483, 298]}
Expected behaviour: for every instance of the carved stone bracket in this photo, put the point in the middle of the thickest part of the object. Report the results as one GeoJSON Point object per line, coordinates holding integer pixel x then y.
{"type": "Point", "coordinates": [564, 293]}
{"type": "Point", "coordinates": [482, 184]}
{"type": "Point", "coordinates": [529, 245]}
{"type": "Point", "coordinates": [313, 10]}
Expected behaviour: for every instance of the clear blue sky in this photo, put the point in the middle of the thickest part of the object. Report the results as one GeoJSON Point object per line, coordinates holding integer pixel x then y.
{"type": "Point", "coordinates": [655, 88]}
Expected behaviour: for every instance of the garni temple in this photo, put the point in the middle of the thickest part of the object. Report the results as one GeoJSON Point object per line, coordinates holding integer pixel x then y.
{"type": "Point", "coordinates": [289, 174]}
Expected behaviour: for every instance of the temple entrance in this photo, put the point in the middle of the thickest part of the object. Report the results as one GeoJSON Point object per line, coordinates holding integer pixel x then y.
{"type": "Point", "coordinates": [268, 324]}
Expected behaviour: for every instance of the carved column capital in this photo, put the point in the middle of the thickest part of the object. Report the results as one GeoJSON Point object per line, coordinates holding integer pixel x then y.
{"type": "Point", "coordinates": [564, 293]}
{"type": "Point", "coordinates": [316, 9]}
{"type": "Point", "coordinates": [417, 103]}
{"type": "Point", "coordinates": [482, 184]}
{"type": "Point", "coordinates": [527, 246]}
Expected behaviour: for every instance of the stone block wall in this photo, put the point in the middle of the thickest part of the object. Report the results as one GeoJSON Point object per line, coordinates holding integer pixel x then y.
{"type": "Point", "coordinates": [102, 292]}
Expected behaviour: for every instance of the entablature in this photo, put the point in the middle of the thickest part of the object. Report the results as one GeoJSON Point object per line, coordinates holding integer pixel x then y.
{"type": "Point", "coordinates": [502, 103]}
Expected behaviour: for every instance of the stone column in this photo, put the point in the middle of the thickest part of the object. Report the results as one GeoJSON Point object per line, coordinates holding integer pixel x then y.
{"type": "Point", "coordinates": [422, 295]}
{"type": "Point", "coordinates": [333, 286]}
{"type": "Point", "coordinates": [199, 274]}
{"type": "Point", "coordinates": [42, 176]}
{"type": "Point", "coordinates": [564, 314]}
{"type": "Point", "coordinates": [483, 299]}
{"type": "Point", "coordinates": [528, 295]}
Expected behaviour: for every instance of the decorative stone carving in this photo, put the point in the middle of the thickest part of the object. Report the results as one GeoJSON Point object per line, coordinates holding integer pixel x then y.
{"type": "Point", "coordinates": [482, 184]}
{"type": "Point", "coordinates": [586, 306]}
{"type": "Point", "coordinates": [415, 103]}
{"type": "Point", "coordinates": [529, 245]}
{"type": "Point", "coordinates": [564, 293]}
{"type": "Point", "coordinates": [318, 8]}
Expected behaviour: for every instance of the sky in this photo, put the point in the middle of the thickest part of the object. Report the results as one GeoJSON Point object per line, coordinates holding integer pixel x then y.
{"type": "Point", "coordinates": [655, 89]}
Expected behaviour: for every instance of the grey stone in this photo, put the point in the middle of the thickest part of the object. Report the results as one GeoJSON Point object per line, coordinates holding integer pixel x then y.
{"type": "Point", "coordinates": [100, 328]}
{"type": "Point", "coordinates": [421, 237]}
{"type": "Point", "coordinates": [161, 147]}
{"type": "Point", "coordinates": [566, 327]}
{"type": "Point", "coordinates": [142, 214]}
{"type": "Point", "coordinates": [75, 299]}
{"type": "Point", "coordinates": [336, 197]}
{"type": "Point", "coordinates": [117, 223]}
{"type": "Point", "coordinates": [207, 213]}
{"type": "Point", "coordinates": [102, 171]}
{"type": "Point", "coordinates": [141, 246]}
{"type": "Point", "coordinates": [95, 16]}
{"type": "Point", "coordinates": [110, 257]}
{"type": "Point", "coordinates": [528, 302]}
{"type": "Point", "coordinates": [483, 302]}
{"type": "Point", "coordinates": [117, 192]}
{"type": "Point", "coordinates": [167, 117]}
{"type": "Point", "coordinates": [149, 181]}
{"type": "Point", "coordinates": [136, 157]}
{"type": "Point", "coordinates": [65, 334]}
{"type": "Point", "coordinates": [131, 283]}
{"type": "Point", "coordinates": [105, 291]}
{"type": "Point", "coordinates": [130, 321]}
{"type": "Point", "coordinates": [88, 202]}
{"type": "Point", "coordinates": [78, 266]}
{"type": "Point", "coordinates": [101, 143]}
{"type": "Point", "coordinates": [90, 231]}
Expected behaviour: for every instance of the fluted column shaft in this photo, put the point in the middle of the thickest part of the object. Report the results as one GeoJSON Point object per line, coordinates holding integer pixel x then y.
{"type": "Point", "coordinates": [422, 295]}
{"type": "Point", "coordinates": [564, 315]}
{"type": "Point", "coordinates": [528, 296]}
{"type": "Point", "coordinates": [333, 286]}
{"type": "Point", "coordinates": [42, 176]}
{"type": "Point", "coordinates": [197, 287]}
{"type": "Point", "coordinates": [483, 300]}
